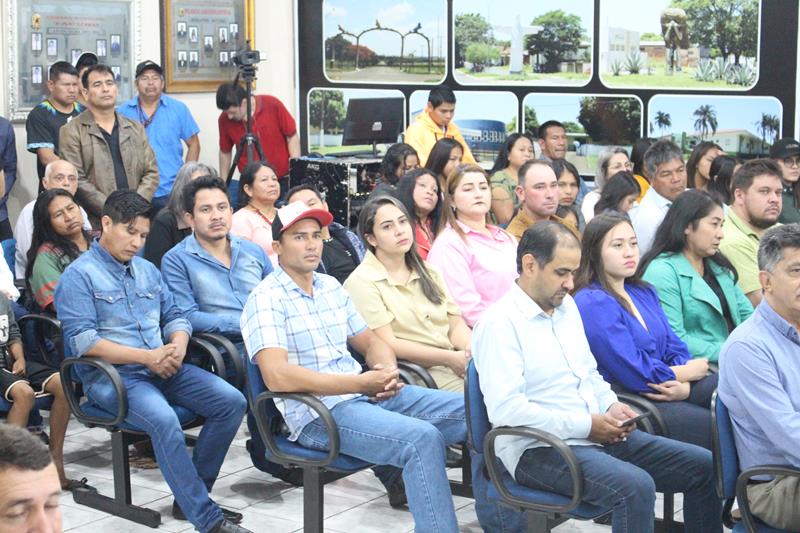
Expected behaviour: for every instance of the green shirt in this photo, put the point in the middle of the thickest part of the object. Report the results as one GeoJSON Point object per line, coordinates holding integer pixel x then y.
{"type": "Point", "coordinates": [740, 246]}
{"type": "Point", "coordinates": [47, 269]}
{"type": "Point", "coordinates": [502, 180]}
{"type": "Point", "coordinates": [790, 212]}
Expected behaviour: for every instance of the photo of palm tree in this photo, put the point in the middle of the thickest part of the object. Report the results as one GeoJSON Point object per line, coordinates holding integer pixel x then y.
{"type": "Point", "coordinates": [744, 126]}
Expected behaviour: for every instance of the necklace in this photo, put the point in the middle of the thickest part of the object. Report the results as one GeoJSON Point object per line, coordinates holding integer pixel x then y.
{"type": "Point", "coordinates": [144, 119]}
{"type": "Point", "coordinates": [261, 214]}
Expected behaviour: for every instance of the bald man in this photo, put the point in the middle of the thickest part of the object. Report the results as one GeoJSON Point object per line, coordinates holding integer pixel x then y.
{"type": "Point", "coordinates": [58, 174]}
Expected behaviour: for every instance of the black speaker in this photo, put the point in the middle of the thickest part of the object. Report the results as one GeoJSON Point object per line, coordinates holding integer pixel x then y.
{"type": "Point", "coordinates": [345, 183]}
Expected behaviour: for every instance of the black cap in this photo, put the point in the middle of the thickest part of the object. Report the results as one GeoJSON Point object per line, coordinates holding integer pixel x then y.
{"type": "Point", "coordinates": [86, 59]}
{"type": "Point", "coordinates": [148, 65]}
{"type": "Point", "coordinates": [785, 147]}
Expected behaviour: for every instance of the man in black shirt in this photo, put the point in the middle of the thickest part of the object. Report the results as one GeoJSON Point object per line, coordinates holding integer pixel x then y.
{"type": "Point", "coordinates": [45, 120]}
{"type": "Point", "coordinates": [342, 250]}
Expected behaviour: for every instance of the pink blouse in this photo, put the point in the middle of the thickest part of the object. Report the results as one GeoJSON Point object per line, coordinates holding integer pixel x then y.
{"type": "Point", "coordinates": [249, 225]}
{"type": "Point", "coordinates": [477, 272]}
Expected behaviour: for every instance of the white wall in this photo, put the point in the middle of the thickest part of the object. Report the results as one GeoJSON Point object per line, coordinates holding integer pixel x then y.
{"type": "Point", "coordinates": [274, 37]}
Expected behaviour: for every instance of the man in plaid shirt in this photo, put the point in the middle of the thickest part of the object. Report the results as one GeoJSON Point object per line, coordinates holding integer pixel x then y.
{"type": "Point", "coordinates": [296, 325]}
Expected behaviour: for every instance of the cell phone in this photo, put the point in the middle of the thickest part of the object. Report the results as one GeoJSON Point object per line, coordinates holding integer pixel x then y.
{"type": "Point", "coordinates": [636, 419]}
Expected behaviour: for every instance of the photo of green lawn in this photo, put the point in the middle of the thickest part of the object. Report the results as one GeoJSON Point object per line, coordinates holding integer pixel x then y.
{"type": "Point", "coordinates": [680, 44]}
{"type": "Point", "coordinates": [524, 43]}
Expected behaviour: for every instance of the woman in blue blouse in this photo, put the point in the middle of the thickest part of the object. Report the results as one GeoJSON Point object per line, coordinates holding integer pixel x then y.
{"type": "Point", "coordinates": [630, 336]}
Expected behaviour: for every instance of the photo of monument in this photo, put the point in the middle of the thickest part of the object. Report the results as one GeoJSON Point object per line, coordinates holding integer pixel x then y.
{"type": "Point", "coordinates": [679, 44]}
{"type": "Point", "coordinates": [524, 43]}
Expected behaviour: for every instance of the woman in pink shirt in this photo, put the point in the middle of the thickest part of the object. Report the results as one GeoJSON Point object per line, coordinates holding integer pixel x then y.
{"type": "Point", "coordinates": [418, 189]}
{"type": "Point", "coordinates": [478, 260]}
{"type": "Point", "coordinates": [258, 191]}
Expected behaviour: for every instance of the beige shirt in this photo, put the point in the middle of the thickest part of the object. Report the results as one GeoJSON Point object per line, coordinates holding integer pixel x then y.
{"type": "Point", "coordinates": [522, 221]}
{"type": "Point", "coordinates": [412, 316]}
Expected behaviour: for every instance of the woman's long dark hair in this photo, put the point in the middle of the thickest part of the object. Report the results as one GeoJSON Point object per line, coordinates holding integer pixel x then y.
{"type": "Point", "coordinates": [685, 211]}
{"type": "Point", "coordinates": [620, 186]}
{"type": "Point", "coordinates": [395, 158]}
{"type": "Point", "coordinates": [366, 225]}
{"type": "Point", "coordinates": [637, 155]}
{"type": "Point", "coordinates": [43, 232]}
{"type": "Point", "coordinates": [591, 268]}
{"type": "Point", "coordinates": [697, 154]}
{"type": "Point", "coordinates": [501, 162]}
{"type": "Point", "coordinates": [248, 177]}
{"type": "Point", "coordinates": [405, 193]}
{"type": "Point", "coordinates": [439, 156]}
{"type": "Point", "coordinates": [721, 174]}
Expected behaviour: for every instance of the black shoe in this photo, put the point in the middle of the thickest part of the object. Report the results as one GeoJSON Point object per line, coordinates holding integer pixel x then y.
{"type": "Point", "coordinates": [397, 494]}
{"type": "Point", "coordinates": [292, 475]}
{"type": "Point", "coordinates": [228, 515]}
{"type": "Point", "coordinates": [229, 527]}
{"type": "Point", "coordinates": [454, 457]}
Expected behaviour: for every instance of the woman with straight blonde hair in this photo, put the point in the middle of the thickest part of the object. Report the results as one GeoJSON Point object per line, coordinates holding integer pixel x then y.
{"type": "Point", "coordinates": [477, 259]}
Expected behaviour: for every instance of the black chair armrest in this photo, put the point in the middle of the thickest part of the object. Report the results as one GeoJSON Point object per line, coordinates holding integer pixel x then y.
{"type": "Point", "coordinates": [713, 368]}
{"type": "Point", "coordinates": [205, 355]}
{"type": "Point", "coordinates": [741, 489]}
{"type": "Point", "coordinates": [575, 470]}
{"type": "Point", "coordinates": [69, 382]}
{"type": "Point", "coordinates": [655, 424]}
{"type": "Point", "coordinates": [413, 372]}
{"type": "Point", "coordinates": [261, 403]}
{"type": "Point", "coordinates": [45, 327]}
{"type": "Point", "coordinates": [224, 343]}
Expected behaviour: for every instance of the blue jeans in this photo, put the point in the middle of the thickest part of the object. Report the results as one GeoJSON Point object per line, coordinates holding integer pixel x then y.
{"type": "Point", "coordinates": [625, 477]}
{"type": "Point", "coordinates": [690, 420]}
{"type": "Point", "coordinates": [149, 400]}
{"type": "Point", "coordinates": [409, 431]}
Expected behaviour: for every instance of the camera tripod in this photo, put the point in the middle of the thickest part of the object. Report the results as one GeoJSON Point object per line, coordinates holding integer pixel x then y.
{"type": "Point", "coordinates": [249, 141]}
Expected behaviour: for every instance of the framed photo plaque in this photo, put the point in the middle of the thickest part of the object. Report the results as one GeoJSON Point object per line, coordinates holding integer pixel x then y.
{"type": "Point", "coordinates": [61, 31]}
{"type": "Point", "coordinates": [207, 33]}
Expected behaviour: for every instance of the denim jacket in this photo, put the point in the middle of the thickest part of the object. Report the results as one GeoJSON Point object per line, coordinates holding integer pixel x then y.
{"type": "Point", "coordinates": [211, 294]}
{"type": "Point", "coordinates": [98, 297]}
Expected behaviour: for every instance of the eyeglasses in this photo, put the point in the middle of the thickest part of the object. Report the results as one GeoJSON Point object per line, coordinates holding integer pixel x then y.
{"type": "Point", "coordinates": [791, 161]}
{"type": "Point", "coordinates": [62, 178]}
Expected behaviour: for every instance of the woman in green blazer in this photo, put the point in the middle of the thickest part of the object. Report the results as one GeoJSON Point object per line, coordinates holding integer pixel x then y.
{"type": "Point", "coordinates": [696, 284]}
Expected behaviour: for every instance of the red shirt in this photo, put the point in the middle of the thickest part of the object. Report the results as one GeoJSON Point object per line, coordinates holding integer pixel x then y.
{"type": "Point", "coordinates": [423, 244]}
{"type": "Point", "coordinates": [272, 124]}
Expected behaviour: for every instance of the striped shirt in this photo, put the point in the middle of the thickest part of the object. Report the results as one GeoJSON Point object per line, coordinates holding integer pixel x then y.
{"type": "Point", "coordinates": [312, 328]}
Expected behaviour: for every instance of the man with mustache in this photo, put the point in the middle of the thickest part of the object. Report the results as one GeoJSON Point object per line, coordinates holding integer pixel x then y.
{"type": "Point", "coordinates": [109, 151]}
{"type": "Point", "coordinates": [538, 198]}
{"type": "Point", "coordinates": [211, 273]}
{"type": "Point", "coordinates": [756, 206]}
{"type": "Point", "coordinates": [667, 173]}
{"type": "Point", "coordinates": [115, 305]}
{"type": "Point", "coordinates": [536, 370]}
{"type": "Point", "coordinates": [168, 124]}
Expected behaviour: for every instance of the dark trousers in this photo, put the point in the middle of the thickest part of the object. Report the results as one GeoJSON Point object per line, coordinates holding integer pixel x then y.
{"type": "Point", "coordinates": [625, 476]}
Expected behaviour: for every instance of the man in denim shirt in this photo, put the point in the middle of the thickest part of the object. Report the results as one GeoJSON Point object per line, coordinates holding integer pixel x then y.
{"type": "Point", "coordinates": [211, 273]}
{"type": "Point", "coordinates": [114, 305]}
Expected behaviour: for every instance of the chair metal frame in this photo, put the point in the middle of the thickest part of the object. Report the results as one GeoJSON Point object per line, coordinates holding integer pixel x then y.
{"type": "Point", "coordinates": [121, 438]}
{"type": "Point", "coordinates": [542, 517]}
{"type": "Point", "coordinates": [729, 490]}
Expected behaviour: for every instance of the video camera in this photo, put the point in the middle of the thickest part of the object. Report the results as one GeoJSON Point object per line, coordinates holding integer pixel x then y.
{"type": "Point", "coordinates": [247, 57]}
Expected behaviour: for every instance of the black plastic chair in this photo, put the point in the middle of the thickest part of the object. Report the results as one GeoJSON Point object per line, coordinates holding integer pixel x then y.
{"type": "Point", "coordinates": [319, 467]}
{"type": "Point", "coordinates": [225, 346]}
{"type": "Point", "coordinates": [731, 480]}
{"type": "Point", "coordinates": [123, 434]}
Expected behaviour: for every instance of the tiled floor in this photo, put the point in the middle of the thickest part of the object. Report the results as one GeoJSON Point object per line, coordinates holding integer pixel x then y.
{"type": "Point", "coordinates": [354, 504]}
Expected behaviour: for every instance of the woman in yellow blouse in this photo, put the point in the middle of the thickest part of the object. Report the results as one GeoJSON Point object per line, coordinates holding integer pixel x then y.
{"type": "Point", "coordinates": [404, 300]}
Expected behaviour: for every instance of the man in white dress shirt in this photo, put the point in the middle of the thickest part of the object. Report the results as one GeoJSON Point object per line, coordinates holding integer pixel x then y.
{"type": "Point", "coordinates": [667, 171]}
{"type": "Point", "coordinates": [536, 370]}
